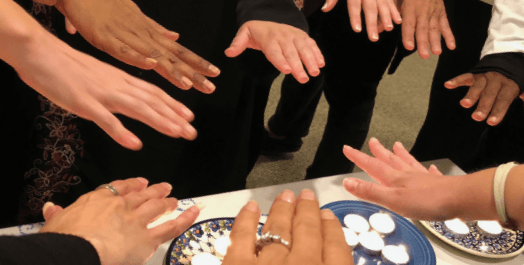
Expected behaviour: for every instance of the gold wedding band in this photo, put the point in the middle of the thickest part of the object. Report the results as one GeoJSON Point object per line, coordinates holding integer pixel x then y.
{"type": "Point", "coordinates": [109, 187]}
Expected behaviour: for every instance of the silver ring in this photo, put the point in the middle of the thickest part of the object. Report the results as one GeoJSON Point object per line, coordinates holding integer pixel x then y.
{"type": "Point", "coordinates": [109, 187]}
{"type": "Point", "coordinates": [267, 239]}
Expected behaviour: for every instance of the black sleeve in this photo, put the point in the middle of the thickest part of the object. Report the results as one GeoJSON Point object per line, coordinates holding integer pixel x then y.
{"type": "Point", "coordinates": [510, 64]}
{"type": "Point", "coordinates": [47, 248]}
{"type": "Point", "coordinates": [280, 11]}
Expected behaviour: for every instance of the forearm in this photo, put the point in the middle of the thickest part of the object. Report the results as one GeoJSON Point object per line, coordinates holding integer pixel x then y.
{"type": "Point", "coordinates": [475, 198]}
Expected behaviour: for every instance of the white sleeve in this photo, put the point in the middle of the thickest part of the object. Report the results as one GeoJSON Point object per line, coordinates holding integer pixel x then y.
{"type": "Point", "coordinates": [506, 29]}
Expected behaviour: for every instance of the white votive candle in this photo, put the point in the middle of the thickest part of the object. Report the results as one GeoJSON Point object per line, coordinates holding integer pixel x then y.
{"type": "Point", "coordinates": [351, 237]}
{"type": "Point", "coordinates": [205, 259]}
{"type": "Point", "coordinates": [457, 227]}
{"type": "Point", "coordinates": [489, 228]}
{"type": "Point", "coordinates": [395, 255]}
{"type": "Point", "coordinates": [382, 223]}
{"type": "Point", "coordinates": [221, 245]}
{"type": "Point", "coordinates": [371, 242]}
{"type": "Point", "coordinates": [356, 223]}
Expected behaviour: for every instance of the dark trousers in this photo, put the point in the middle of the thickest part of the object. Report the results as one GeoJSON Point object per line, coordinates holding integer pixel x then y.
{"type": "Point", "coordinates": [449, 131]}
{"type": "Point", "coordinates": [354, 68]}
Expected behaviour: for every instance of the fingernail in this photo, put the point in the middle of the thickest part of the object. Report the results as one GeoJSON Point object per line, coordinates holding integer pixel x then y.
{"type": "Point", "coordinates": [214, 69]}
{"type": "Point", "coordinates": [288, 196]}
{"type": "Point", "coordinates": [151, 61]}
{"type": "Point", "coordinates": [324, 6]}
{"type": "Point", "coordinates": [209, 85]}
{"type": "Point", "coordinates": [174, 34]}
{"type": "Point", "coordinates": [46, 206]}
{"type": "Point", "coordinates": [167, 185]}
{"type": "Point", "coordinates": [252, 206]}
{"type": "Point", "coordinates": [492, 119]}
{"type": "Point", "coordinates": [350, 183]}
{"type": "Point", "coordinates": [189, 131]}
{"type": "Point", "coordinates": [358, 28]}
{"type": "Point", "coordinates": [186, 81]}
{"type": "Point", "coordinates": [307, 194]}
{"type": "Point", "coordinates": [373, 139]}
{"type": "Point", "coordinates": [200, 206]}
{"type": "Point", "coordinates": [399, 144]}
{"type": "Point", "coordinates": [134, 143]}
{"type": "Point", "coordinates": [143, 181]}
{"type": "Point", "coordinates": [327, 214]}
{"type": "Point", "coordinates": [348, 147]}
{"type": "Point", "coordinates": [375, 36]}
{"type": "Point", "coordinates": [389, 26]}
{"type": "Point", "coordinates": [479, 113]}
{"type": "Point", "coordinates": [399, 20]}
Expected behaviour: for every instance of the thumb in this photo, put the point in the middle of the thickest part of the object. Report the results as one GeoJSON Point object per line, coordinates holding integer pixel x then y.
{"type": "Point", "coordinates": [50, 210]}
{"type": "Point", "coordinates": [69, 26]}
{"type": "Point", "coordinates": [466, 79]}
{"type": "Point", "coordinates": [239, 43]}
{"type": "Point", "coordinates": [329, 5]}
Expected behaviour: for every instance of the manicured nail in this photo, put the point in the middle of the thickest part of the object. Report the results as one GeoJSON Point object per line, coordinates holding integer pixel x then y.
{"type": "Point", "coordinates": [151, 61]}
{"type": "Point", "coordinates": [214, 69]}
{"type": "Point", "coordinates": [200, 206]}
{"type": "Point", "coordinates": [288, 196]}
{"type": "Point", "coordinates": [389, 26]}
{"type": "Point", "coordinates": [327, 214]}
{"type": "Point", "coordinates": [186, 81]}
{"type": "Point", "coordinates": [46, 206]}
{"type": "Point", "coordinates": [252, 206]}
{"type": "Point", "coordinates": [325, 6]}
{"type": "Point", "coordinates": [143, 180]}
{"type": "Point", "coordinates": [209, 85]}
{"type": "Point", "coordinates": [307, 194]}
{"type": "Point", "coordinates": [358, 28]}
{"type": "Point", "coordinates": [375, 36]}
{"type": "Point", "coordinates": [167, 185]}
{"type": "Point", "coordinates": [399, 20]}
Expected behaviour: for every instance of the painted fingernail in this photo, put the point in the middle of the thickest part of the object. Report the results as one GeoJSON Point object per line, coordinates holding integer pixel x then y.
{"type": "Point", "coordinates": [325, 6]}
{"type": "Point", "coordinates": [375, 36]}
{"type": "Point", "coordinates": [327, 214]}
{"type": "Point", "coordinates": [200, 206]}
{"type": "Point", "coordinates": [307, 194]}
{"type": "Point", "coordinates": [167, 185]}
{"type": "Point", "coordinates": [46, 206]}
{"type": "Point", "coordinates": [151, 61]}
{"type": "Point", "coordinates": [186, 81]}
{"type": "Point", "coordinates": [399, 20]}
{"type": "Point", "coordinates": [389, 26]}
{"type": "Point", "coordinates": [210, 86]}
{"type": "Point", "coordinates": [252, 206]}
{"type": "Point", "coordinates": [214, 69]}
{"type": "Point", "coordinates": [358, 28]}
{"type": "Point", "coordinates": [143, 180]}
{"type": "Point", "coordinates": [288, 196]}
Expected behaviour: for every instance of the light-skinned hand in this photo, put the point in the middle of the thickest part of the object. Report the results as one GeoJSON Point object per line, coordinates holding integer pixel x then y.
{"type": "Point", "coordinates": [316, 236]}
{"type": "Point", "coordinates": [95, 90]}
{"type": "Point", "coordinates": [493, 91]}
{"type": "Point", "coordinates": [379, 15]}
{"type": "Point", "coordinates": [139, 41]}
{"type": "Point", "coordinates": [404, 185]}
{"type": "Point", "coordinates": [425, 21]}
{"type": "Point", "coordinates": [117, 225]}
{"type": "Point", "coordinates": [286, 47]}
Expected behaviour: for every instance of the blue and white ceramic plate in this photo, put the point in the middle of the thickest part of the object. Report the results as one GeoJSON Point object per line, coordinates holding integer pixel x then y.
{"type": "Point", "coordinates": [508, 244]}
{"type": "Point", "coordinates": [417, 245]}
{"type": "Point", "coordinates": [199, 238]}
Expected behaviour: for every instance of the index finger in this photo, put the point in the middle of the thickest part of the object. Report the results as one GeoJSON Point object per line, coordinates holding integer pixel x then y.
{"type": "Point", "coordinates": [375, 168]}
{"type": "Point", "coordinates": [243, 235]}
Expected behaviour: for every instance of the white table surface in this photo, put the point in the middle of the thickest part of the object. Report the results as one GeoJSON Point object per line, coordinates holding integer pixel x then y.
{"type": "Point", "coordinates": [327, 189]}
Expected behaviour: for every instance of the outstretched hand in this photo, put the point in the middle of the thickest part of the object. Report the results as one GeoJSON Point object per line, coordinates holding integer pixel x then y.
{"type": "Point", "coordinates": [404, 185]}
{"type": "Point", "coordinates": [139, 41]}
{"type": "Point", "coordinates": [116, 226]}
{"type": "Point", "coordinates": [286, 47]}
{"type": "Point", "coordinates": [493, 91]}
{"type": "Point", "coordinates": [379, 15]}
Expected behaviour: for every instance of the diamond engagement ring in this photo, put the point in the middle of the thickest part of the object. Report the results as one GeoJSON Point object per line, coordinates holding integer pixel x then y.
{"type": "Point", "coordinates": [109, 187]}
{"type": "Point", "coordinates": [267, 239]}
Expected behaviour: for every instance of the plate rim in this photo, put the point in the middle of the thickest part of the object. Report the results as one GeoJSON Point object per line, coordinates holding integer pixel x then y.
{"type": "Point", "coordinates": [426, 225]}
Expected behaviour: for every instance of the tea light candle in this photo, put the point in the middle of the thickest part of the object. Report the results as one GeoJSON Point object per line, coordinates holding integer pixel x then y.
{"type": "Point", "coordinates": [395, 255]}
{"type": "Point", "coordinates": [489, 228]}
{"type": "Point", "coordinates": [221, 245]}
{"type": "Point", "coordinates": [205, 259]}
{"type": "Point", "coordinates": [356, 223]}
{"type": "Point", "coordinates": [382, 223]}
{"type": "Point", "coordinates": [351, 237]}
{"type": "Point", "coordinates": [457, 227]}
{"type": "Point", "coordinates": [371, 242]}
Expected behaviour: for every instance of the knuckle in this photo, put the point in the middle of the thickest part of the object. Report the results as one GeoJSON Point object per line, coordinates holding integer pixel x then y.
{"type": "Point", "coordinates": [155, 53]}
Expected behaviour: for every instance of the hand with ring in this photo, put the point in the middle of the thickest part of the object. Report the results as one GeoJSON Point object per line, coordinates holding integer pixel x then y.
{"type": "Point", "coordinates": [314, 236]}
{"type": "Point", "coordinates": [116, 226]}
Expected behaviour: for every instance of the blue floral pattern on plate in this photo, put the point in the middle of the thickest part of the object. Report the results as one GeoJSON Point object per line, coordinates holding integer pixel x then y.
{"type": "Point", "coordinates": [199, 238]}
{"type": "Point", "coordinates": [508, 244]}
